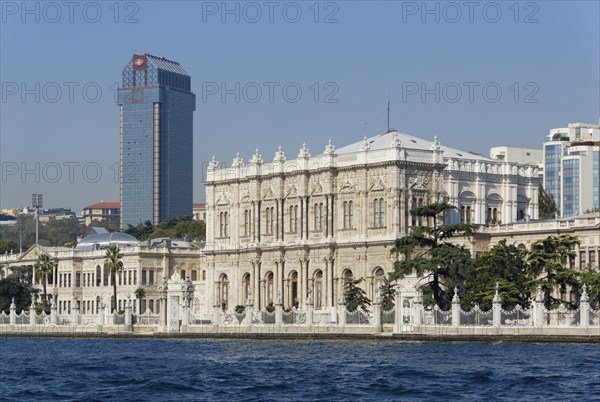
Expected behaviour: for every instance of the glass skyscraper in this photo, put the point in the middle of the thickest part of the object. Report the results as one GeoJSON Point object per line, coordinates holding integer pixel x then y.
{"type": "Point", "coordinates": [156, 123]}
{"type": "Point", "coordinates": [572, 168]}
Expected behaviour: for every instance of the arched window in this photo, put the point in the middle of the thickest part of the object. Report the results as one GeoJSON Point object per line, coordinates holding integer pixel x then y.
{"type": "Point", "coordinates": [224, 292]}
{"type": "Point", "coordinates": [347, 275]}
{"type": "Point", "coordinates": [420, 218]}
{"type": "Point", "coordinates": [293, 218]}
{"type": "Point", "coordinates": [413, 216]}
{"type": "Point", "coordinates": [378, 277]}
{"type": "Point", "coordinates": [346, 226]}
{"type": "Point", "coordinates": [318, 289]}
{"type": "Point", "coordinates": [269, 288]}
{"type": "Point", "coordinates": [246, 222]}
{"type": "Point", "coordinates": [269, 220]}
{"type": "Point", "coordinates": [350, 215]}
{"type": "Point", "coordinates": [226, 225]}
{"type": "Point", "coordinates": [318, 217]}
{"type": "Point", "coordinates": [246, 286]}
{"type": "Point", "coordinates": [378, 213]}
{"type": "Point", "coordinates": [294, 289]}
{"type": "Point", "coordinates": [221, 225]}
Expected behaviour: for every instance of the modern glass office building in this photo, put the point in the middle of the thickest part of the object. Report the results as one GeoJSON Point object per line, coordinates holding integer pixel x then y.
{"type": "Point", "coordinates": [572, 168]}
{"type": "Point", "coordinates": [156, 123]}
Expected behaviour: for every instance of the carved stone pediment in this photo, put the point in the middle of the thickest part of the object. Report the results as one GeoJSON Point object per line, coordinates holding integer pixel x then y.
{"type": "Point", "coordinates": [418, 182]}
{"type": "Point", "coordinates": [291, 191]}
{"type": "Point", "coordinates": [316, 188]}
{"type": "Point", "coordinates": [348, 187]}
{"type": "Point", "coordinates": [377, 185]}
{"type": "Point", "coordinates": [222, 200]}
{"type": "Point", "coordinates": [267, 193]}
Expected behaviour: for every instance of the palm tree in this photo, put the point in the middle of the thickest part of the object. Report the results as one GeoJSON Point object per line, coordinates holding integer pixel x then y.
{"type": "Point", "coordinates": [44, 266]}
{"type": "Point", "coordinates": [140, 293]}
{"type": "Point", "coordinates": [114, 264]}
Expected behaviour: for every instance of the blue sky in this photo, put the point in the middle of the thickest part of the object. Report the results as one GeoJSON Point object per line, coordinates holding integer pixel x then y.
{"type": "Point", "coordinates": [356, 53]}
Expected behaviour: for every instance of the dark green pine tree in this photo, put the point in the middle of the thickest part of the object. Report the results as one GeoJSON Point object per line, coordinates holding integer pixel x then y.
{"type": "Point", "coordinates": [387, 292]}
{"type": "Point", "coordinates": [547, 205]}
{"type": "Point", "coordinates": [548, 259]}
{"type": "Point", "coordinates": [355, 296]}
{"type": "Point", "coordinates": [505, 265]}
{"type": "Point", "coordinates": [427, 253]}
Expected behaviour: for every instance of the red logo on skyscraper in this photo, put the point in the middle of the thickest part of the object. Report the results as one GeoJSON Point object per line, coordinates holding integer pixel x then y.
{"type": "Point", "coordinates": [139, 62]}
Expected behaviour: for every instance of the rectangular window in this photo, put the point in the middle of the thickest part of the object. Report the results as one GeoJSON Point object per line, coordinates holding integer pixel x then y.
{"type": "Point", "coordinates": [194, 275]}
{"type": "Point", "coordinates": [151, 305]}
{"type": "Point", "coordinates": [593, 259]}
{"type": "Point", "coordinates": [582, 260]}
{"type": "Point", "coordinates": [143, 276]}
{"type": "Point", "coordinates": [151, 277]}
{"type": "Point", "coordinates": [78, 279]}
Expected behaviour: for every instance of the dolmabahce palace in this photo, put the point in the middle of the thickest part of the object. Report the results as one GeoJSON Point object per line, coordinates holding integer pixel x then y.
{"type": "Point", "coordinates": [292, 228]}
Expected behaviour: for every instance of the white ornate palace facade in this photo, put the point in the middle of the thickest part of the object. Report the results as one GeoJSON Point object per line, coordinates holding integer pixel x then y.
{"type": "Point", "coordinates": [294, 227]}
{"type": "Point", "coordinates": [291, 227]}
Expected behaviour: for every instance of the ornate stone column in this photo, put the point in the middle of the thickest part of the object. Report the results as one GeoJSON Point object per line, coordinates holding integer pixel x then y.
{"type": "Point", "coordinates": [497, 309]}
{"type": "Point", "coordinates": [342, 311]}
{"type": "Point", "coordinates": [249, 311]}
{"type": "Point", "coordinates": [76, 317]}
{"type": "Point", "coordinates": [32, 314]}
{"type": "Point", "coordinates": [309, 311]}
{"type": "Point", "coordinates": [538, 313]}
{"type": "Point", "coordinates": [455, 309]}
{"type": "Point", "coordinates": [53, 312]}
{"type": "Point", "coordinates": [128, 320]}
{"type": "Point", "coordinates": [216, 314]}
{"type": "Point", "coordinates": [279, 310]}
{"type": "Point", "coordinates": [13, 312]}
{"type": "Point", "coordinates": [377, 313]}
{"type": "Point", "coordinates": [584, 308]}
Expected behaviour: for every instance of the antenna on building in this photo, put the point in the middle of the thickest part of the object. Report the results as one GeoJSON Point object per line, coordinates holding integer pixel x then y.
{"type": "Point", "coordinates": [388, 114]}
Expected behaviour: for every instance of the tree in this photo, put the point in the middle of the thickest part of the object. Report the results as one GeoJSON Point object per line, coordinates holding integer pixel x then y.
{"type": "Point", "coordinates": [507, 266]}
{"type": "Point", "coordinates": [547, 205]}
{"type": "Point", "coordinates": [140, 293]}
{"type": "Point", "coordinates": [44, 267]}
{"type": "Point", "coordinates": [141, 231]}
{"type": "Point", "coordinates": [10, 287]}
{"type": "Point", "coordinates": [9, 246]}
{"type": "Point", "coordinates": [355, 296]}
{"type": "Point", "coordinates": [548, 259]}
{"type": "Point", "coordinates": [114, 264]}
{"type": "Point", "coordinates": [591, 279]}
{"type": "Point", "coordinates": [427, 253]}
{"type": "Point", "coordinates": [387, 290]}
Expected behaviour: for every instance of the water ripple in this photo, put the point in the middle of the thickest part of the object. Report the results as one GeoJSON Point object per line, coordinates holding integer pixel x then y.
{"type": "Point", "coordinates": [34, 369]}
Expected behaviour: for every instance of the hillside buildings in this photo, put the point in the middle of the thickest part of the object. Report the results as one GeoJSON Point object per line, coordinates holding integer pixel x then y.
{"type": "Point", "coordinates": [102, 211]}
